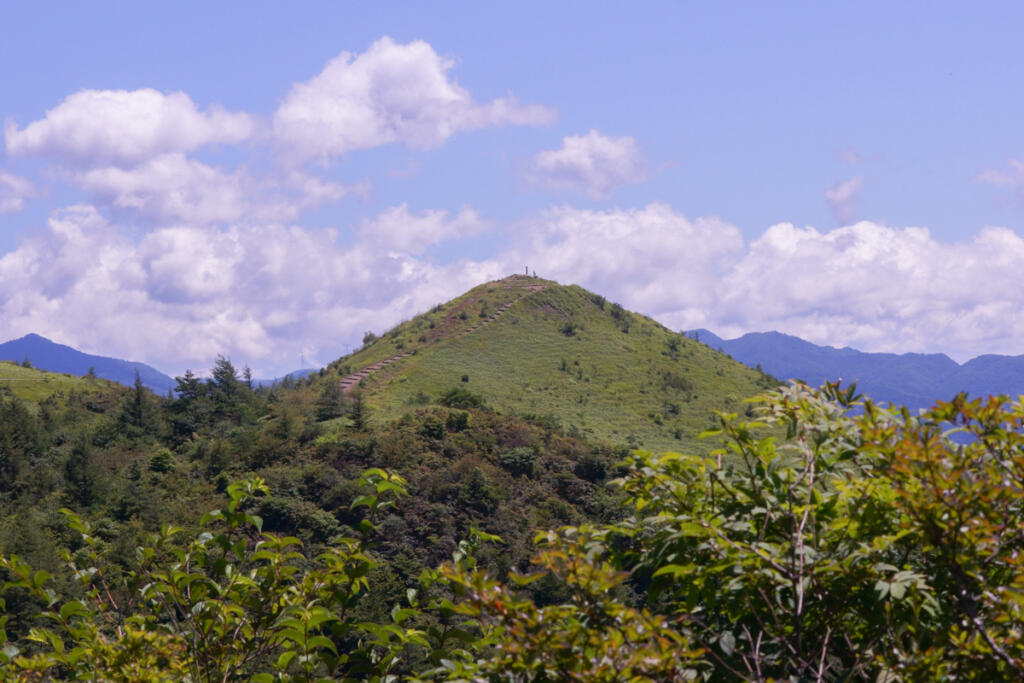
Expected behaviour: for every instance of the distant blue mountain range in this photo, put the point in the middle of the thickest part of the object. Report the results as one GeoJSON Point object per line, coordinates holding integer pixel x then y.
{"type": "Point", "coordinates": [294, 374]}
{"type": "Point", "coordinates": [916, 380]}
{"type": "Point", "coordinates": [53, 357]}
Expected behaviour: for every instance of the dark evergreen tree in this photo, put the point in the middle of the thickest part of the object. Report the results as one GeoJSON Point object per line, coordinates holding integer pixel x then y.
{"type": "Point", "coordinates": [20, 440]}
{"type": "Point", "coordinates": [190, 409]}
{"type": "Point", "coordinates": [357, 411]}
{"type": "Point", "coordinates": [136, 408]}
{"type": "Point", "coordinates": [225, 378]}
{"type": "Point", "coordinates": [189, 387]}
{"type": "Point", "coordinates": [227, 392]}
{"type": "Point", "coordinates": [330, 403]}
{"type": "Point", "coordinates": [80, 475]}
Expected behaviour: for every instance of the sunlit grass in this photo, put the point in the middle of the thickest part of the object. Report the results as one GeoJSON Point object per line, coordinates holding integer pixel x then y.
{"type": "Point", "coordinates": [603, 373]}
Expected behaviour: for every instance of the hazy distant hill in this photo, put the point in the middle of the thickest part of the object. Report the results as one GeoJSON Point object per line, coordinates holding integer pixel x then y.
{"type": "Point", "coordinates": [295, 374]}
{"type": "Point", "coordinates": [913, 379]}
{"type": "Point", "coordinates": [53, 357]}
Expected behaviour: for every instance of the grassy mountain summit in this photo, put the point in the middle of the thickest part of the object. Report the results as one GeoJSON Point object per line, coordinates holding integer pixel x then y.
{"type": "Point", "coordinates": [533, 347]}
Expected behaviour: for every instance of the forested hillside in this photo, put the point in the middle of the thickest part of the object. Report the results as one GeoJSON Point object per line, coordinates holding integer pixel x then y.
{"type": "Point", "coordinates": [857, 548]}
{"type": "Point", "coordinates": [462, 499]}
{"type": "Point", "coordinates": [510, 426]}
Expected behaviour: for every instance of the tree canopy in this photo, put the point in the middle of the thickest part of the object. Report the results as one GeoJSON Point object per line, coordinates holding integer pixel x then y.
{"type": "Point", "coordinates": [828, 538]}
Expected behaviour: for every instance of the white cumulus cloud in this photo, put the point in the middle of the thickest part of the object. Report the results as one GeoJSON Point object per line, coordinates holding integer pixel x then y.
{"type": "Point", "coordinates": [94, 127]}
{"type": "Point", "coordinates": [172, 188]}
{"type": "Point", "coordinates": [594, 164]}
{"type": "Point", "coordinates": [270, 293]}
{"type": "Point", "coordinates": [871, 286]}
{"type": "Point", "coordinates": [264, 294]}
{"type": "Point", "coordinates": [882, 288]}
{"type": "Point", "coordinates": [390, 93]}
{"type": "Point", "coordinates": [653, 258]}
{"type": "Point", "coordinates": [14, 190]}
{"type": "Point", "coordinates": [398, 230]}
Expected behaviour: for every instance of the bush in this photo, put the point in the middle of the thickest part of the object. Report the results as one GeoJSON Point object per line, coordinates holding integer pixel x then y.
{"type": "Point", "coordinates": [458, 397]}
{"type": "Point", "coordinates": [432, 428]}
{"type": "Point", "coordinates": [161, 462]}
{"type": "Point", "coordinates": [479, 493]}
{"type": "Point", "coordinates": [457, 421]}
{"type": "Point", "coordinates": [518, 461]}
{"type": "Point", "coordinates": [297, 517]}
{"type": "Point", "coordinates": [591, 467]}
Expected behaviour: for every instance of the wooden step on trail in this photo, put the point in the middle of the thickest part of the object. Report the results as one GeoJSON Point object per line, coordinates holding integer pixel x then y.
{"type": "Point", "coordinates": [349, 382]}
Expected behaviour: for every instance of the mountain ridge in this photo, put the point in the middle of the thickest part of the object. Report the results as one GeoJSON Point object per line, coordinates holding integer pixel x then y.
{"type": "Point", "coordinates": [52, 356]}
{"type": "Point", "coordinates": [46, 354]}
{"type": "Point", "coordinates": [916, 380]}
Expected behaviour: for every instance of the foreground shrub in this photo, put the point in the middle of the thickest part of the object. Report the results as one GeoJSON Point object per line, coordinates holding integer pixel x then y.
{"type": "Point", "coordinates": [828, 539]}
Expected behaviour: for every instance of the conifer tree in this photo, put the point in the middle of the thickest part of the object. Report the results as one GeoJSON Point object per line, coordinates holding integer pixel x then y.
{"type": "Point", "coordinates": [357, 411]}
{"type": "Point", "coordinates": [329, 404]}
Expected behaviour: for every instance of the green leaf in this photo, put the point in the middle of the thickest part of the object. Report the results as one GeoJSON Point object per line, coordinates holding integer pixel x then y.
{"type": "Point", "coordinates": [727, 641]}
{"type": "Point", "coordinates": [285, 659]}
{"type": "Point", "coordinates": [398, 615]}
{"type": "Point", "coordinates": [72, 608]}
{"type": "Point", "coordinates": [40, 577]}
{"type": "Point", "coordinates": [321, 642]}
{"type": "Point", "coordinates": [367, 501]}
{"type": "Point", "coordinates": [210, 516]}
{"type": "Point", "coordinates": [676, 570]}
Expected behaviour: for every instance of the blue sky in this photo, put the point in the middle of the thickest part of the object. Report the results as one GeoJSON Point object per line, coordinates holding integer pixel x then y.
{"type": "Point", "coordinates": [201, 178]}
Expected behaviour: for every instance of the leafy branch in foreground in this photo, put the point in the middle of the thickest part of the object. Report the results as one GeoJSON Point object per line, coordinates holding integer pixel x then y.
{"type": "Point", "coordinates": [829, 539]}
{"type": "Point", "coordinates": [232, 603]}
{"type": "Point", "coordinates": [867, 544]}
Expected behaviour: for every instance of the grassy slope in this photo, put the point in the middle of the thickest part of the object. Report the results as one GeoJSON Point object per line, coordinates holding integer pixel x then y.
{"type": "Point", "coordinates": [647, 386]}
{"type": "Point", "coordinates": [33, 386]}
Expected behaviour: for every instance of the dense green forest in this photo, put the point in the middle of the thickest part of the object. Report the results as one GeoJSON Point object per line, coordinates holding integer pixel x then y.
{"type": "Point", "coordinates": [426, 527]}
{"type": "Point", "coordinates": [839, 546]}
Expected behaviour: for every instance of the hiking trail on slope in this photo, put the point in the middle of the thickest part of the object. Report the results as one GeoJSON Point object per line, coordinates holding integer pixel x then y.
{"type": "Point", "coordinates": [349, 382]}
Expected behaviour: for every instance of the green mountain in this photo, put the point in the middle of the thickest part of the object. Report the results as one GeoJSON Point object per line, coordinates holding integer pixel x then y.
{"type": "Point", "coordinates": [505, 411]}
{"type": "Point", "coordinates": [558, 353]}
{"type": "Point", "coordinates": [48, 355]}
